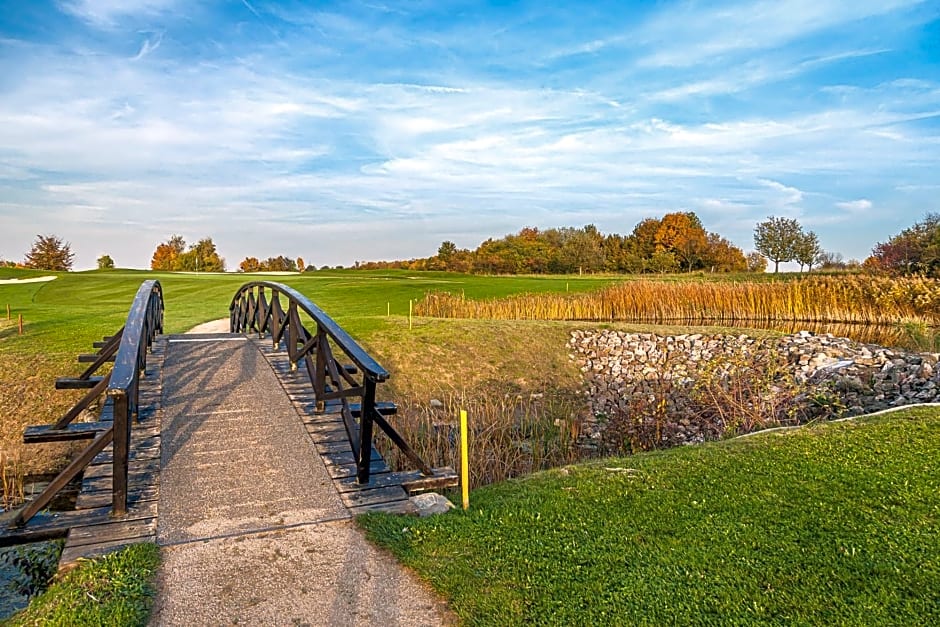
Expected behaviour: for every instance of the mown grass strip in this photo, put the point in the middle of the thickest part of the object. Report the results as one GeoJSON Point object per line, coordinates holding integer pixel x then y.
{"type": "Point", "coordinates": [836, 524]}
{"type": "Point", "coordinates": [116, 589]}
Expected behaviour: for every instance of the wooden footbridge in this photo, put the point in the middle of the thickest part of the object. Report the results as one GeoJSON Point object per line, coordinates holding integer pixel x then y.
{"type": "Point", "coordinates": [208, 433]}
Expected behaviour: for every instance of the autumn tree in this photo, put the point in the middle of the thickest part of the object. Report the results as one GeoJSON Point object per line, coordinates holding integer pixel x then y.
{"type": "Point", "coordinates": [166, 256]}
{"type": "Point", "coordinates": [916, 249]}
{"type": "Point", "coordinates": [105, 262]}
{"type": "Point", "coordinates": [301, 266]}
{"type": "Point", "coordinates": [49, 252]}
{"type": "Point", "coordinates": [250, 264]}
{"type": "Point", "coordinates": [201, 257]}
{"type": "Point", "coordinates": [756, 262]}
{"type": "Point", "coordinates": [722, 256]}
{"type": "Point", "coordinates": [807, 251]}
{"type": "Point", "coordinates": [777, 238]}
{"type": "Point", "coordinates": [682, 235]}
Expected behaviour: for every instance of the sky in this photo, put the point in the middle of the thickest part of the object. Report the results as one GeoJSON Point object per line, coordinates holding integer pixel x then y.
{"type": "Point", "coordinates": [376, 130]}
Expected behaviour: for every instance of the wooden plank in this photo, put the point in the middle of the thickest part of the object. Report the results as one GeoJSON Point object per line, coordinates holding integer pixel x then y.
{"type": "Point", "coordinates": [347, 484]}
{"type": "Point", "coordinates": [339, 471]}
{"type": "Point", "coordinates": [74, 431]}
{"type": "Point", "coordinates": [331, 447]}
{"type": "Point", "coordinates": [137, 495]}
{"type": "Point", "coordinates": [357, 498]}
{"type": "Point", "coordinates": [141, 451]}
{"type": "Point", "coordinates": [110, 532]}
{"type": "Point", "coordinates": [46, 525]}
{"type": "Point", "coordinates": [393, 507]}
{"type": "Point", "coordinates": [442, 478]}
{"type": "Point", "coordinates": [346, 457]}
{"type": "Point", "coordinates": [73, 383]}
{"type": "Point", "coordinates": [324, 436]}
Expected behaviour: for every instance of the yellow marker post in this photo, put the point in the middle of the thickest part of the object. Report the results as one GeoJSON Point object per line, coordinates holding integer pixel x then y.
{"type": "Point", "coordinates": [388, 310]}
{"type": "Point", "coordinates": [409, 313]}
{"type": "Point", "coordinates": [464, 460]}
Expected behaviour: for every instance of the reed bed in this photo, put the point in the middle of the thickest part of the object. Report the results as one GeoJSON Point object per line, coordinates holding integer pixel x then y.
{"type": "Point", "coordinates": [510, 435]}
{"type": "Point", "coordinates": [848, 300]}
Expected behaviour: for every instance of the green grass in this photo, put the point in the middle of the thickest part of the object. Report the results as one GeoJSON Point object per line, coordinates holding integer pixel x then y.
{"type": "Point", "coordinates": [73, 310]}
{"type": "Point", "coordinates": [837, 524]}
{"type": "Point", "coordinates": [112, 590]}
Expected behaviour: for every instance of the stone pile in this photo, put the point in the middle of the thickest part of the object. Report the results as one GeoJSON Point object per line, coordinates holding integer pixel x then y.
{"type": "Point", "coordinates": [834, 376]}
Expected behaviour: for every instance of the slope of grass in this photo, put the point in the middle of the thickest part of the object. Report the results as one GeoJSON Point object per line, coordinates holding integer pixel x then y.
{"type": "Point", "coordinates": [112, 590]}
{"type": "Point", "coordinates": [838, 524]}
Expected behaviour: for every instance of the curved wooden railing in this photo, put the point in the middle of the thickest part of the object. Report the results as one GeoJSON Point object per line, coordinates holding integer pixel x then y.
{"type": "Point", "coordinates": [333, 382]}
{"type": "Point", "coordinates": [128, 349]}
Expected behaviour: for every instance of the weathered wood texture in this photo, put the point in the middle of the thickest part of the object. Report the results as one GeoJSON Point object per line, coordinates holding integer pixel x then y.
{"type": "Point", "coordinates": [386, 490]}
{"type": "Point", "coordinates": [105, 532]}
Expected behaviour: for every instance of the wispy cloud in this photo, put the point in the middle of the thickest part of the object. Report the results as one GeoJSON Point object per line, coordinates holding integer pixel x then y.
{"type": "Point", "coordinates": [105, 13]}
{"type": "Point", "coordinates": [855, 206]}
{"type": "Point", "coordinates": [407, 127]}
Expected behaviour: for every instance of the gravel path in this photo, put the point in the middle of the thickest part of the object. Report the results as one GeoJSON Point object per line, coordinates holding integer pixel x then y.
{"type": "Point", "coordinates": [252, 530]}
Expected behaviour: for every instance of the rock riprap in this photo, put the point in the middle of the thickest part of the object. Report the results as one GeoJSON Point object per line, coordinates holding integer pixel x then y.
{"type": "Point", "coordinates": [831, 376]}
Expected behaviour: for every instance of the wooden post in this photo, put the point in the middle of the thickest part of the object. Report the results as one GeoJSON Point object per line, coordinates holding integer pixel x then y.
{"type": "Point", "coordinates": [388, 309]}
{"type": "Point", "coordinates": [464, 460]}
{"type": "Point", "coordinates": [363, 464]}
{"type": "Point", "coordinates": [319, 375]}
{"type": "Point", "coordinates": [410, 302]}
{"type": "Point", "coordinates": [9, 317]}
{"type": "Point", "coordinates": [122, 439]}
{"type": "Point", "coordinates": [21, 324]}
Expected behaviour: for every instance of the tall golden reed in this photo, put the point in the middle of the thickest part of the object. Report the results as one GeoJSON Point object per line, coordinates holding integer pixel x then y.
{"type": "Point", "coordinates": [853, 300]}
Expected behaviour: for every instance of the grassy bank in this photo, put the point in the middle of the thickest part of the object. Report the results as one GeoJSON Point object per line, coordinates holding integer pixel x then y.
{"type": "Point", "coordinates": [836, 524]}
{"type": "Point", "coordinates": [113, 590]}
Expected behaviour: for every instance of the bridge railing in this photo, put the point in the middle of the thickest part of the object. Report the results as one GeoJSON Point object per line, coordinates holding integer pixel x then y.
{"type": "Point", "coordinates": [257, 307]}
{"type": "Point", "coordinates": [128, 349]}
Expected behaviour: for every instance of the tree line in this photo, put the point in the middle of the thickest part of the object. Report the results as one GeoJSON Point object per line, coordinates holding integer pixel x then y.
{"type": "Point", "coordinates": [675, 242]}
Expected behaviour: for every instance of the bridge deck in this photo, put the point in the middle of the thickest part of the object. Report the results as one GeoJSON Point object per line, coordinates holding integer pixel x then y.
{"type": "Point", "coordinates": [228, 442]}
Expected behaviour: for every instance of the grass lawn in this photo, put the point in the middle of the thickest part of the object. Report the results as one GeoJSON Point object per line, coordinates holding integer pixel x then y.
{"type": "Point", "coordinates": [835, 524]}
{"type": "Point", "coordinates": [113, 590]}
{"type": "Point", "coordinates": [64, 316]}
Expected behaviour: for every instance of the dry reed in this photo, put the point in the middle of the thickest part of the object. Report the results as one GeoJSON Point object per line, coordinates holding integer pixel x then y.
{"type": "Point", "coordinates": [12, 476]}
{"type": "Point", "coordinates": [509, 434]}
{"type": "Point", "coordinates": [852, 300]}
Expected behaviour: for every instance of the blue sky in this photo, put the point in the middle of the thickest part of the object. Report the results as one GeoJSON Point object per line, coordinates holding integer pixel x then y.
{"type": "Point", "coordinates": [370, 130]}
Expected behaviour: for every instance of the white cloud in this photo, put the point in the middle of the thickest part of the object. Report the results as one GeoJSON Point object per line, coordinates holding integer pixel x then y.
{"type": "Point", "coordinates": [104, 13]}
{"type": "Point", "coordinates": [855, 206]}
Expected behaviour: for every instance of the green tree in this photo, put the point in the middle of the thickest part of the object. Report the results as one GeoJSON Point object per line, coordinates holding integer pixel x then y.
{"type": "Point", "coordinates": [808, 252]}
{"type": "Point", "coordinates": [105, 262]}
{"type": "Point", "coordinates": [201, 257]}
{"type": "Point", "coordinates": [49, 253]}
{"type": "Point", "coordinates": [777, 238]}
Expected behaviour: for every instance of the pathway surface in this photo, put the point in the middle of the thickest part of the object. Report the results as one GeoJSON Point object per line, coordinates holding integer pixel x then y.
{"type": "Point", "coordinates": [251, 528]}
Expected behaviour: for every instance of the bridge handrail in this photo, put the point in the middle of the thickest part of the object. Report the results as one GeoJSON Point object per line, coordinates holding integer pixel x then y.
{"type": "Point", "coordinates": [144, 321]}
{"type": "Point", "coordinates": [129, 348]}
{"type": "Point", "coordinates": [331, 380]}
{"type": "Point", "coordinates": [356, 353]}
